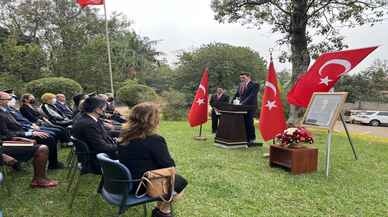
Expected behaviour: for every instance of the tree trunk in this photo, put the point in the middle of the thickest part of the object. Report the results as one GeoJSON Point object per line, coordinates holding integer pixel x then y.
{"type": "Point", "coordinates": [300, 57]}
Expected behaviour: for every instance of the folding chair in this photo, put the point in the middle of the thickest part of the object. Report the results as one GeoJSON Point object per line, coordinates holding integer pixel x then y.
{"type": "Point", "coordinates": [81, 158]}
{"type": "Point", "coordinates": [117, 185]}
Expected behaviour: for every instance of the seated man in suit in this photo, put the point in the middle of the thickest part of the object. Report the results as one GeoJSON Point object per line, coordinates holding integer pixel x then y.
{"type": "Point", "coordinates": [12, 128]}
{"type": "Point", "coordinates": [247, 94]}
{"type": "Point", "coordinates": [89, 128]}
{"type": "Point", "coordinates": [62, 106]}
{"type": "Point", "coordinates": [218, 98]}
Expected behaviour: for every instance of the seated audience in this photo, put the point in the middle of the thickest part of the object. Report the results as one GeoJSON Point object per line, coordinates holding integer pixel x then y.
{"type": "Point", "coordinates": [11, 128]}
{"type": "Point", "coordinates": [141, 149]}
{"type": "Point", "coordinates": [111, 112]}
{"type": "Point", "coordinates": [57, 132]}
{"type": "Point", "coordinates": [62, 106]}
{"type": "Point", "coordinates": [54, 115]}
{"type": "Point", "coordinates": [89, 128]}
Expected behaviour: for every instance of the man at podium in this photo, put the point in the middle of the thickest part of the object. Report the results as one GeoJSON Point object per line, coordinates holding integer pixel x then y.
{"type": "Point", "coordinates": [247, 95]}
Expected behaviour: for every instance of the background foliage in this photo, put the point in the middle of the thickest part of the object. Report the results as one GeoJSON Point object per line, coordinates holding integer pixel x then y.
{"type": "Point", "coordinates": [131, 95]}
{"type": "Point", "coordinates": [53, 85]}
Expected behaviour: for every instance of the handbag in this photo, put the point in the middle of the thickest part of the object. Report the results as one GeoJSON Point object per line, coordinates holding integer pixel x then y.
{"type": "Point", "coordinates": [158, 183]}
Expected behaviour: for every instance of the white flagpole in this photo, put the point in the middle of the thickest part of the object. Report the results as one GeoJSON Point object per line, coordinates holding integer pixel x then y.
{"type": "Point", "coordinates": [108, 47]}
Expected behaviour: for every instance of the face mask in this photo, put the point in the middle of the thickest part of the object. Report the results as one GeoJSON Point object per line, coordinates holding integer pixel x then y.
{"type": "Point", "coordinates": [12, 102]}
{"type": "Point", "coordinates": [53, 101]}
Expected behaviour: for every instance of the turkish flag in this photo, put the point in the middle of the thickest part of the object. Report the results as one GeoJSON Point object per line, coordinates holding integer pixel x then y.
{"type": "Point", "coordinates": [324, 73]}
{"type": "Point", "coordinates": [199, 109]}
{"type": "Point", "coordinates": [272, 119]}
{"type": "Point", "coordinates": [84, 3]}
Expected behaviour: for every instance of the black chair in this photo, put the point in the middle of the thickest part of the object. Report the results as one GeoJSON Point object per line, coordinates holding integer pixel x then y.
{"type": "Point", "coordinates": [117, 185]}
{"type": "Point", "coordinates": [81, 162]}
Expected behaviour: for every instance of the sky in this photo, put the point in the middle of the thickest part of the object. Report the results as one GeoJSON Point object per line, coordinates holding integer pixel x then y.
{"type": "Point", "coordinates": [188, 24]}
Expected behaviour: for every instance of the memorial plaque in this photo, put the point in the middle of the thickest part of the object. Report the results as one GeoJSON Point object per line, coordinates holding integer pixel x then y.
{"type": "Point", "coordinates": [323, 109]}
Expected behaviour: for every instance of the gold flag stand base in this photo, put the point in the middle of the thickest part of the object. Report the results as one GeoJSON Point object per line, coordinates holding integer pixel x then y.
{"type": "Point", "coordinates": [200, 138]}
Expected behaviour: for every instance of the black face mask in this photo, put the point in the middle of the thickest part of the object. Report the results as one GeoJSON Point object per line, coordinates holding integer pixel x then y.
{"type": "Point", "coordinates": [102, 114]}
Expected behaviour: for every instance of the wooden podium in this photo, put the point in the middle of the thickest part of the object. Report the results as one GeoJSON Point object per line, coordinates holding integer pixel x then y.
{"type": "Point", "coordinates": [231, 131]}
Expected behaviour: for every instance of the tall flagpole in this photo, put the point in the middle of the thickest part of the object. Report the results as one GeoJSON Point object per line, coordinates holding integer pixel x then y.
{"type": "Point", "coordinates": [108, 47]}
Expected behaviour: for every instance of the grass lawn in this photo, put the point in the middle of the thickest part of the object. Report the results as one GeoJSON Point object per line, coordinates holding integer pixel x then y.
{"type": "Point", "coordinates": [236, 183]}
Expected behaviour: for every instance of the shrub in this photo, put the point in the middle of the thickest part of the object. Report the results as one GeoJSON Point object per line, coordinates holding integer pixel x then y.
{"type": "Point", "coordinates": [174, 106]}
{"type": "Point", "coordinates": [10, 82]}
{"type": "Point", "coordinates": [134, 94]}
{"type": "Point", "coordinates": [54, 85]}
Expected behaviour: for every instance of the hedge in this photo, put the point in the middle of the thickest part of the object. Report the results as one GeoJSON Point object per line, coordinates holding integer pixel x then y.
{"type": "Point", "coordinates": [54, 85]}
{"type": "Point", "coordinates": [136, 93]}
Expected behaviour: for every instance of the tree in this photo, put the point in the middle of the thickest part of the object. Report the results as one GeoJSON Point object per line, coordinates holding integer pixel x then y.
{"type": "Point", "coordinates": [73, 43]}
{"type": "Point", "coordinates": [366, 85]}
{"type": "Point", "coordinates": [25, 61]}
{"type": "Point", "coordinates": [225, 63]}
{"type": "Point", "coordinates": [302, 22]}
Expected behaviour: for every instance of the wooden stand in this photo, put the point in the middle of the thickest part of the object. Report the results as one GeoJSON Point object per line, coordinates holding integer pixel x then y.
{"type": "Point", "coordinates": [297, 160]}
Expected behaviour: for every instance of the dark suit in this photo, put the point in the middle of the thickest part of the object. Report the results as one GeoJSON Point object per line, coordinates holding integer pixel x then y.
{"type": "Point", "coordinates": [9, 128]}
{"type": "Point", "coordinates": [30, 113]}
{"type": "Point", "coordinates": [92, 132]}
{"type": "Point", "coordinates": [248, 96]}
{"type": "Point", "coordinates": [55, 116]}
{"type": "Point", "coordinates": [66, 110]}
{"type": "Point", "coordinates": [214, 101]}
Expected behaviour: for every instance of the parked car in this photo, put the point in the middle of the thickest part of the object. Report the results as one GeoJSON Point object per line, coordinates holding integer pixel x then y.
{"type": "Point", "coordinates": [373, 118]}
{"type": "Point", "coordinates": [349, 115]}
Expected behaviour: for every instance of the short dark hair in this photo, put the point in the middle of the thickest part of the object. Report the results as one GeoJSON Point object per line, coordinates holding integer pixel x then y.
{"type": "Point", "coordinates": [78, 98]}
{"type": "Point", "coordinates": [246, 74]}
{"type": "Point", "coordinates": [90, 104]}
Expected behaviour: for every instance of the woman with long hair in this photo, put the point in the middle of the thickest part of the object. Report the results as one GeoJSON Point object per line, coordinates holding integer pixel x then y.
{"type": "Point", "coordinates": [141, 149]}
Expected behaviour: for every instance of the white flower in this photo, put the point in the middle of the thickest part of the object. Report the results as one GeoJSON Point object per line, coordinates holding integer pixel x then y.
{"type": "Point", "coordinates": [290, 131]}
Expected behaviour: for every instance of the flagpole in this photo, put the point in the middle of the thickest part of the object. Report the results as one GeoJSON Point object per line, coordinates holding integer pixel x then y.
{"type": "Point", "coordinates": [108, 47]}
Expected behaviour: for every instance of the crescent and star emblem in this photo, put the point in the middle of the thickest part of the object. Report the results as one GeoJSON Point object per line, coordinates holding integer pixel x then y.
{"type": "Point", "coordinates": [272, 86]}
{"type": "Point", "coordinates": [345, 63]}
{"type": "Point", "coordinates": [201, 87]}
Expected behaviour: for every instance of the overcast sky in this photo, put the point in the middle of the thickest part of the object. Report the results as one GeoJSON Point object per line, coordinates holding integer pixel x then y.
{"type": "Point", "coordinates": [188, 24]}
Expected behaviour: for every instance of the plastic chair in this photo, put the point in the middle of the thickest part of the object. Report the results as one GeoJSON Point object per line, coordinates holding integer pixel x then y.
{"type": "Point", "coordinates": [80, 162]}
{"type": "Point", "coordinates": [117, 185]}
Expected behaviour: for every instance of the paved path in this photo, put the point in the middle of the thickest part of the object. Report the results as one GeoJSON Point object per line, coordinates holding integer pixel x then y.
{"type": "Point", "coordinates": [364, 129]}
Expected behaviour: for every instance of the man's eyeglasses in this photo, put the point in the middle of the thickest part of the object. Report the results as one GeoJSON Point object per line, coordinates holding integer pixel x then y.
{"type": "Point", "coordinates": [6, 99]}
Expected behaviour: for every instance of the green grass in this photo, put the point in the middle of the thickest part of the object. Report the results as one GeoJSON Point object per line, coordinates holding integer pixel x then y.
{"type": "Point", "coordinates": [236, 182]}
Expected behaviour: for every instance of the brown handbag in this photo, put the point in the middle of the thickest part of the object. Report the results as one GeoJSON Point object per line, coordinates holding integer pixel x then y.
{"type": "Point", "coordinates": [158, 183]}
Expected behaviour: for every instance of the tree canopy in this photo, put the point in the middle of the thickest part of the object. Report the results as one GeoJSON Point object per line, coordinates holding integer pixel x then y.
{"type": "Point", "coordinates": [225, 63]}
{"type": "Point", "coordinates": [308, 26]}
{"type": "Point", "coordinates": [65, 41]}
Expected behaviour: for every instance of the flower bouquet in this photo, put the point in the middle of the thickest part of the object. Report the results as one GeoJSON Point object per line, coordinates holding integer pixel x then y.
{"type": "Point", "coordinates": [294, 137]}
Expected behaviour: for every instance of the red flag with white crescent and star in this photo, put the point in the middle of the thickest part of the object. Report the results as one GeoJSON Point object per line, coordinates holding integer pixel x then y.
{"type": "Point", "coordinates": [272, 119]}
{"type": "Point", "coordinates": [84, 3]}
{"type": "Point", "coordinates": [324, 73]}
{"type": "Point", "coordinates": [199, 109]}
